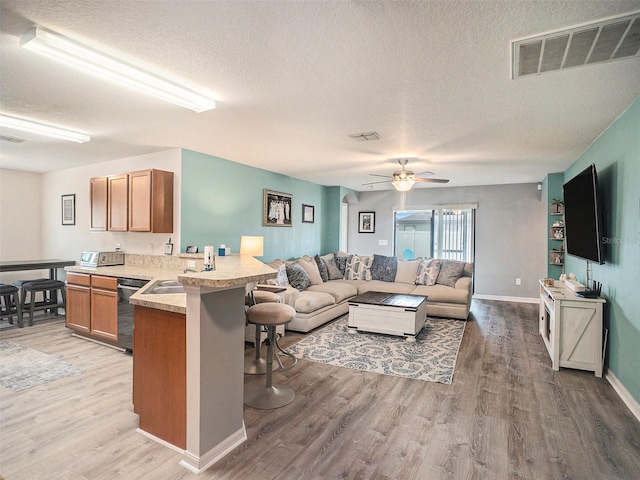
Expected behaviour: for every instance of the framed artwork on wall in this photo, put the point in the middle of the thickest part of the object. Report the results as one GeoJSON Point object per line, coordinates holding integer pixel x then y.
{"type": "Point", "coordinates": [277, 209]}
{"type": "Point", "coordinates": [308, 215]}
{"type": "Point", "coordinates": [367, 222]}
{"type": "Point", "coordinates": [69, 209]}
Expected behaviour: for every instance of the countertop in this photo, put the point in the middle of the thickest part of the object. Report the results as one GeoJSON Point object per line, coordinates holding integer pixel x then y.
{"type": "Point", "coordinates": [230, 271]}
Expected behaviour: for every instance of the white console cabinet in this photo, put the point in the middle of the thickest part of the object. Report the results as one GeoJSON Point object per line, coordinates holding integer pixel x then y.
{"type": "Point", "coordinates": [571, 328]}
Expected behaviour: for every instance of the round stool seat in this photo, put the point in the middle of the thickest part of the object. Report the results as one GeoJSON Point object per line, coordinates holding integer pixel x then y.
{"type": "Point", "coordinates": [261, 296]}
{"type": "Point", "coordinates": [270, 314]}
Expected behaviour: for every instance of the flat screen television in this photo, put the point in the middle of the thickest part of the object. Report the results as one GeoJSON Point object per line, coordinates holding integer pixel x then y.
{"type": "Point", "coordinates": [582, 216]}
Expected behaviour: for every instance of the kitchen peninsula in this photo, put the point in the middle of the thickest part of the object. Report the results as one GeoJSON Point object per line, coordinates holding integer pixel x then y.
{"type": "Point", "coordinates": [215, 325]}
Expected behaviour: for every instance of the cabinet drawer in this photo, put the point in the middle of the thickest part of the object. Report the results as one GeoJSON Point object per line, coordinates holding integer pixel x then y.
{"type": "Point", "coordinates": [79, 279]}
{"type": "Point", "coordinates": [106, 283]}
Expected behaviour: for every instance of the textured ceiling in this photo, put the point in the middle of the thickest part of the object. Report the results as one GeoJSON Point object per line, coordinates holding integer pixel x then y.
{"type": "Point", "coordinates": [294, 79]}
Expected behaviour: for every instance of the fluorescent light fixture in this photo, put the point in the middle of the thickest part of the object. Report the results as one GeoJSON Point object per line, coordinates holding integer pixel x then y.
{"type": "Point", "coordinates": [42, 129]}
{"type": "Point", "coordinates": [63, 49]}
{"type": "Point", "coordinates": [403, 184]}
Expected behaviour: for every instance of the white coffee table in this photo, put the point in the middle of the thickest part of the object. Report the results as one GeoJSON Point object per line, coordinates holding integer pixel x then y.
{"type": "Point", "coordinates": [390, 313]}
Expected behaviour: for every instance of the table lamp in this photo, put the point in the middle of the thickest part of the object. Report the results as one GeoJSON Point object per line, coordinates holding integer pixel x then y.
{"type": "Point", "coordinates": [252, 245]}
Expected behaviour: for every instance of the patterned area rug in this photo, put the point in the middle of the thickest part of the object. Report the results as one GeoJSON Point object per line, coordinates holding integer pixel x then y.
{"type": "Point", "coordinates": [23, 367]}
{"type": "Point", "coordinates": [432, 357]}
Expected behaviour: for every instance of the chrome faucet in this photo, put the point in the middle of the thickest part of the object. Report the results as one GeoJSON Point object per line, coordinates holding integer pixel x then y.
{"type": "Point", "coordinates": [186, 270]}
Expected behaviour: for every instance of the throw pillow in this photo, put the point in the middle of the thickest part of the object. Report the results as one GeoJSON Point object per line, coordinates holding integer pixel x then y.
{"type": "Point", "coordinates": [407, 270]}
{"type": "Point", "coordinates": [312, 270]}
{"type": "Point", "coordinates": [384, 268]}
{"type": "Point", "coordinates": [341, 263]}
{"type": "Point", "coordinates": [322, 268]}
{"type": "Point", "coordinates": [428, 272]}
{"type": "Point", "coordinates": [332, 269]}
{"type": "Point", "coordinates": [281, 275]}
{"type": "Point", "coordinates": [298, 277]}
{"type": "Point", "coordinates": [450, 272]}
{"type": "Point", "coordinates": [358, 268]}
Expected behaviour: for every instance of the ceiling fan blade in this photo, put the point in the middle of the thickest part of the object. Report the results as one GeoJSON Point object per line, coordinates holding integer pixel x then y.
{"type": "Point", "coordinates": [431, 180]}
{"type": "Point", "coordinates": [383, 176]}
{"type": "Point", "coordinates": [373, 183]}
{"type": "Point", "coordinates": [426, 172]}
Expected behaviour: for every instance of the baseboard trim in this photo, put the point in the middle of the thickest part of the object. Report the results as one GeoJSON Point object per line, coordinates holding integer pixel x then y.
{"type": "Point", "coordinates": [623, 393]}
{"type": "Point", "coordinates": [200, 464]}
{"type": "Point", "coordinates": [502, 298]}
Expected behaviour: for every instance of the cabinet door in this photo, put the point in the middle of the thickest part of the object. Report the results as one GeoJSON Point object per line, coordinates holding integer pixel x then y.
{"type": "Point", "coordinates": [104, 307]}
{"type": "Point", "coordinates": [140, 201]}
{"type": "Point", "coordinates": [117, 196]}
{"type": "Point", "coordinates": [98, 197]}
{"type": "Point", "coordinates": [78, 309]}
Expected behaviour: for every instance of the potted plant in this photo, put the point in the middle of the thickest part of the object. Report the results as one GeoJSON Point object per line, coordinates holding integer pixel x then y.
{"type": "Point", "coordinates": [557, 206]}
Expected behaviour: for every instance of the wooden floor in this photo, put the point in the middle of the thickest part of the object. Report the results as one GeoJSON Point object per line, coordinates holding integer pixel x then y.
{"type": "Point", "coordinates": [507, 414]}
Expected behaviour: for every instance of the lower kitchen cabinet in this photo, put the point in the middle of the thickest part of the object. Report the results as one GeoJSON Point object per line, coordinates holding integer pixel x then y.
{"type": "Point", "coordinates": [92, 306]}
{"type": "Point", "coordinates": [160, 374]}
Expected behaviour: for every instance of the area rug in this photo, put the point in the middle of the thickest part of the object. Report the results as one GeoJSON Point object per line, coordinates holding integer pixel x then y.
{"type": "Point", "coordinates": [23, 367]}
{"type": "Point", "coordinates": [432, 357]}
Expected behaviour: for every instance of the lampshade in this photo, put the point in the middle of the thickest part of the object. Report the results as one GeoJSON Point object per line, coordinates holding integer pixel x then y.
{"type": "Point", "coordinates": [403, 184]}
{"type": "Point", "coordinates": [253, 246]}
{"type": "Point", "coordinates": [70, 52]}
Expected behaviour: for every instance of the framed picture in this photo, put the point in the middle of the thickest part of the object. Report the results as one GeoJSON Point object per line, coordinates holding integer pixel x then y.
{"type": "Point", "coordinates": [307, 214]}
{"type": "Point", "coordinates": [69, 209]}
{"type": "Point", "coordinates": [277, 210]}
{"type": "Point", "coordinates": [367, 222]}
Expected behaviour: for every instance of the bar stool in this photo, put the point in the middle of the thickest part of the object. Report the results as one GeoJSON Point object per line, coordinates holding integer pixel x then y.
{"type": "Point", "coordinates": [49, 290]}
{"type": "Point", "coordinates": [257, 365]}
{"type": "Point", "coordinates": [10, 303]}
{"type": "Point", "coordinates": [270, 396]}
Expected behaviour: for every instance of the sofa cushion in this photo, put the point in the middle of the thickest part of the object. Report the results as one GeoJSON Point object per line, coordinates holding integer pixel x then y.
{"type": "Point", "coordinates": [322, 268]}
{"type": "Point", "coordinates": [298, 277]}
{"type": "Point", "coordinates": [428, 272]}
{"type": "Point", "coordinates": [309, 301]}
{"type": "Point", "coordinates": [309, 265]}
{"type": "Point", "coordinates": [333, 271]}
{"type": "Point", "coordinates": [281, 276]}
{"type": "Point", "coordinates": [407, 270]}
{"type": "Point", "coordinates": [443, 294]}
{"type": "Point", "coordinates": [386, 287]}
{"type": "Point", "coordinates": [358, 268]}
{"type": "Point", "coordinates": [450, 272]}
{"type": "Point", "coordinates": [340, 291]}
{"type": "Point", "coordinates": [384, 268]}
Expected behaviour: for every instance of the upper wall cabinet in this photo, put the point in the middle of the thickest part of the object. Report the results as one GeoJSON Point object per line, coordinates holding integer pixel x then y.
{"type": "Point", "coordinates": [98, 197]}
{"type": "Point", "coordinates": [151, 201]}
{"type": "Point", "coordinates": [137, 202]}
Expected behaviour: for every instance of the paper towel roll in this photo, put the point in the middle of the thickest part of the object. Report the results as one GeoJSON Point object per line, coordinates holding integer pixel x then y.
{"type": "Point", "coordinates": [208, 255]}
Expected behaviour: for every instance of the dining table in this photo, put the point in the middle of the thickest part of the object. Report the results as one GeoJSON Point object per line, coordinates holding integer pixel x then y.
{"type": "Point", "coordinates": [51, 264]}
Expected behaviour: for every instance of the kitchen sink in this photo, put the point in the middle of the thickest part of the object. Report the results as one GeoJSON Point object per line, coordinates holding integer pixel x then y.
{"type": "Point", "coordinates": [164, 287]}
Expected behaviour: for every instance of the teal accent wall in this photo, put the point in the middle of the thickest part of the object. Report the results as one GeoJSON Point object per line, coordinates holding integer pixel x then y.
{"type": "Point", "coordinates": [616, 155]}
{"type": "Point", "coordinates": [222, 200]}
{"type": "Point", "coordinates": [551, 190]}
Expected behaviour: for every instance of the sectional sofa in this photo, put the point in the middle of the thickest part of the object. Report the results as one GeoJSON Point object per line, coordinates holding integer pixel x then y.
{"type": "Point", "coordinates": [320, 287]}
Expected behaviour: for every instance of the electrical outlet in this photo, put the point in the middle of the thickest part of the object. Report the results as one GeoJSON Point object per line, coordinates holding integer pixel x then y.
{"type": "Point", "coordinates": [518, 281]}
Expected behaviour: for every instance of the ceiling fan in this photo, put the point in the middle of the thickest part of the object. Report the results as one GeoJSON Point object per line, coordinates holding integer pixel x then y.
{"type": "Point", "coordinates": [403, 179]}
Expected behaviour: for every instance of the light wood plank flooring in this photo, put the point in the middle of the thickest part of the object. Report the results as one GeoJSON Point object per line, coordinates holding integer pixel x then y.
{"type": "Point", "coordinates": [506, 415]}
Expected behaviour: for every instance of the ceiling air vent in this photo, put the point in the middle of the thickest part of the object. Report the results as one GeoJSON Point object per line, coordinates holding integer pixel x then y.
{"type": "Point", "coordinates": [366, 137]}
{"type": "Point", "coordinates": [8, 138]}
{"type": "Point", "coordinates": [602, 41]}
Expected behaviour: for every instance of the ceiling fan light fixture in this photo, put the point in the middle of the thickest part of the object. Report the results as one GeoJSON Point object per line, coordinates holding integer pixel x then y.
{"type": "Point", "coordinates": [23, 125]}
{"type": "Point", "coordinates": [403, 184]}
{"type": "Point", "coordinates": [70, 52]}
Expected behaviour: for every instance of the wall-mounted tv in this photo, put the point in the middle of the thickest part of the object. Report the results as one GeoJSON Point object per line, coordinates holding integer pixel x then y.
{"type": "Point", "coordinates": [582, 216]}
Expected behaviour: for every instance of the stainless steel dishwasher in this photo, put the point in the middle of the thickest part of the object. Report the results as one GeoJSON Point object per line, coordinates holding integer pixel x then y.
{"type": "Point", "coordinates": [126, 288]}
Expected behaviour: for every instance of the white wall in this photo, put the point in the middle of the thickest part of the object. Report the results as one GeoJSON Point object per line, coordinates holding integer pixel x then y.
{"type": "Point", "coordinates": [510, 232]}
{"type": "Point", "coordinates": [64, 241]}
{"type": "Point", "coordinates": [20, 220]}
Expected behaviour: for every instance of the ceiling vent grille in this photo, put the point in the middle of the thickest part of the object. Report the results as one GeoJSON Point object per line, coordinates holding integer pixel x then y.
{"type": "Point", "coordinates": [366, 137]}
{"type": "Point", "coordinates": [8, 138]}
{"type": "Point", "coordinates": [603, 41]}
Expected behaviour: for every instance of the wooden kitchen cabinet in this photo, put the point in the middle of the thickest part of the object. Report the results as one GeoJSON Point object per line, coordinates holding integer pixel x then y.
{"type": "Point", "coordinates": [160, 374]}
{"type": "Point", "coordinates": [98, 188]}
{"type": "Point", "coordinates": [104, 307]}
{"type": "Point", "coordinates": [118, 201]}
{"type": "Point", "coordinates": [92, 306]}
{"type": "Point", "coordinates": [78, 308]}
{"type": "Point", "coordinates": [151, 201]}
